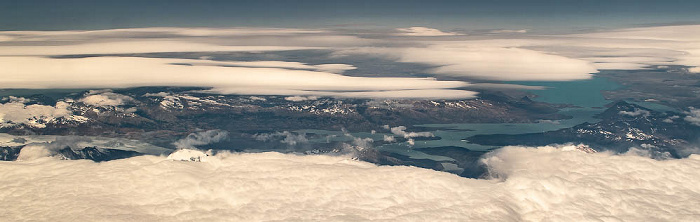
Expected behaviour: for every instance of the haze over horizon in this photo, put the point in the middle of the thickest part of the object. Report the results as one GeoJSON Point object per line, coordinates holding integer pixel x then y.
{"type": "Point", "coordinates": [539, 15]}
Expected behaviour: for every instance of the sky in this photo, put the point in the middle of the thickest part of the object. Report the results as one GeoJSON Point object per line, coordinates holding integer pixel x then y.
{"type": "Point", "coordinates": [548, 15]}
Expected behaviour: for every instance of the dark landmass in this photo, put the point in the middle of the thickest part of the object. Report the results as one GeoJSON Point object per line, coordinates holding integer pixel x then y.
{"type": "Point", "coordinates": [96, 154]}
{"type": "Point", "coordinates": [622, 126]}
{"type": "Point", "coordinates": [9, 153]}
{"type": "Point", "coordinates": [674, 86]}
{"type": "Point", "coordinates": [87, 153]}
{"type": "Point", "coordinates": [161, 115]}
{"type": "Point", "coordinates": [466, 159]}
{"type": "Point", "coordinates": [393, 159]}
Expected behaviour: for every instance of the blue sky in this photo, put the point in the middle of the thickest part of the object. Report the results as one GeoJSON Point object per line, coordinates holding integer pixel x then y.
{"type": "Point", "coordinates": [535, 15]}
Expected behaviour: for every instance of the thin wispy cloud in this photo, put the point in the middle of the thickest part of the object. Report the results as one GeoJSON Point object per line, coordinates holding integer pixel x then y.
{"type": "Point", "coordinates": [424, 31]}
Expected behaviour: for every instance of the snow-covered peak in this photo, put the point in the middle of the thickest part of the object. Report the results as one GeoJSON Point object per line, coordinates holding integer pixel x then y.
{"type": "Point", "coordinates": [188, 155]}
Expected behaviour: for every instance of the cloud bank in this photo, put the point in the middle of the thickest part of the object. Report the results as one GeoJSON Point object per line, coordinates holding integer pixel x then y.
{"type": "Point", "coordinates": [528, 184]}
{"type": "Point", "coordinates": [29, 61]}
{"type": "Point", "coordinates": [119, 72]}
{"type": "Point", "coordinates": [549, 57]}
{"type": "Point", "coordinates": [479, 60]}
{"type": "Point", "coordinates": [499, 63]}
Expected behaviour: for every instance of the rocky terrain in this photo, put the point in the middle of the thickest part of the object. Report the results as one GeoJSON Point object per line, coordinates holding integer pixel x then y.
{"type": "Point", "coordinates": [67, 153]}
{"type": "Point", "coordinates": [621, 127]}
{"type": "Point", "coordinates": [167, 116]}
{"type": "Point", "coordinates": [176, 117]}
{"type": "Point", "coordinates": [159, 115]}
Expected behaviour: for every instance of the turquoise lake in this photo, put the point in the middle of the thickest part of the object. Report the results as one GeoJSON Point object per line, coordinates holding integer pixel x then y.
{"type": "Point", "coordinates": [585, 95]}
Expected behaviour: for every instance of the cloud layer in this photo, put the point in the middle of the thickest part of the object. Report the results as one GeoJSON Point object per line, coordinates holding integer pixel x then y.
{"type": "Point", "coordinates": [117, 72]}
{"type": "Point", "coordinates": [27, 64]}
{"type": "Point", "coordinates": [549, 57]}
{"type": "Point", "coordinates": [26, 58]}
{"type": "Point", "coordinates": [529, 184]}
{"type": "Point", "coordinates": [497, 63]}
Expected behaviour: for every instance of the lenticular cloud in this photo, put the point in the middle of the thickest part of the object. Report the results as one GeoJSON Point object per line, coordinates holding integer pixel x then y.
{"type": "Point", "coordinates": [529, 184]}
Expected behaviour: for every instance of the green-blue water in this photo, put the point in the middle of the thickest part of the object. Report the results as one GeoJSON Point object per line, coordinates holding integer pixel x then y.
{"type": "Point", "coordinates": [585, 95]}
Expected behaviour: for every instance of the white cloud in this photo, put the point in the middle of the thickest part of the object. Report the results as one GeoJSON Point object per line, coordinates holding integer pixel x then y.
{"type": "Point", "coordinates": [256, 98]}
{"type": "Point", "coordinates": [550, 57]}
{"type": "Point", "coordinates": [693, 116]}
{"type": "Point", "coordinates": [16, 112]}
{"type": "Point", "coordinates": [503, 86]}
{"type": "Point", "coordinates": [226, 38]}
{"type": "Point", "coordinates": [670, 119]}
{"type": "Point", "coordinates": [636, 112]}
{"type": "Point", "coordinates": [556, 185]}
{"type": "Point", "coordinates": [484, 60]}
{"type": "Point", "coordinates": [4, 38]}
{"type": "Point", "coordinates": [332, 68]}
{"type": "Point", "coordinates": [499, 63]}
{"type": "Point", "coordinates": [188, 155]}
{"type": "Point", "coordinates": [118, 72]}
{"type": "Point", "coordinates": [388, 138]}
{"type": "Point", "coordinates": [684, 40]}
{"type": "Point", "coordinates": [126, 47]}
{"type": "Point", "coordinates": [33, 152]}
{"type": "Point", "coordinates": [259, 64]}
{"type": "Point", "coordinates": [401, 131]}
{"type": "Point", "coordinates": [619, 66]}
{"type": "Point", "coordinates": [423, 31]}
{"type": "Point", "coordinates": [694, 69]}
{"type": "Point", "coordinates": [630, 59]}
{"type": "Point", "coordinates": [201, 138]}
{"type": "Point", "coordinates": [525, 58]}
{"type": "Point", "coordinates": [411, 142]}
{"type": "Point", "coordinates": [286, 137]}
{"type": "Point", "coordinates": [547, 183]}
{"type": "Point", "coordinates": [300, 98]}
{"type": "Point", "coordinates": [672, 32]}
{"type": "Point", "coordinates": [105, 98]}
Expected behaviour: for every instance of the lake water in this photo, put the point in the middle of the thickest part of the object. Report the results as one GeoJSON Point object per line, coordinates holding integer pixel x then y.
{"type": "Point", "coordinates": [585, 95]}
